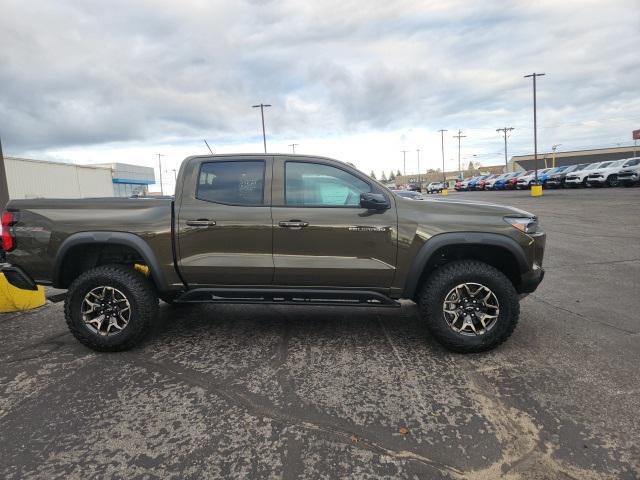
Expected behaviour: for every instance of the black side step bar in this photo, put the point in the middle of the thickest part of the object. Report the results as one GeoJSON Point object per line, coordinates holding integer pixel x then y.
{"type": "Point", "coordinates": [284, 296]}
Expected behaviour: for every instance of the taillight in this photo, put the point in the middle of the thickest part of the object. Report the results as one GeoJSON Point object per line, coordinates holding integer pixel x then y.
{"type": "Point", "coordinates": [8, 240]}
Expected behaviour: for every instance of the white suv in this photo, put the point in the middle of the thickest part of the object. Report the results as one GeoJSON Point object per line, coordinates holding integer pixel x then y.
{"type": "Point", "coordinates": [630, 173]}
{"type": "Point", "coordinates": [525, 181]}
{"type": "Point", "coordinates": [579, 178]}
{"type": "Point", "coordinates": [607, 175]}
{"type": "Point", "coordinates": [435, 187]}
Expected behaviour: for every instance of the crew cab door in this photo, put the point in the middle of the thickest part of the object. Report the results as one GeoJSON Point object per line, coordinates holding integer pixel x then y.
{"type": "Point", "coordinates": [224, 227]}
{"type": "Point", "coordinates": [322, 237]}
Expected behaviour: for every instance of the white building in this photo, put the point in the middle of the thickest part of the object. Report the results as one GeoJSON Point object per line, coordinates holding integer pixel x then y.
{"type": "Point", "coordinates": [130, 179]}
{"type": "Point", "coordinates": [27, 178]}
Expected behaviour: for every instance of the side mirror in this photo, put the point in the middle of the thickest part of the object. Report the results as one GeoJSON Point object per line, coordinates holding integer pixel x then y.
{"type": "Point", "coordinates": [374, 201]}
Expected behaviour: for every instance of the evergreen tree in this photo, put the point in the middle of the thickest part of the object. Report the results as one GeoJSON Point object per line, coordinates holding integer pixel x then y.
{"type": "Point", "coordinates": [383, 177]}
{"type": "Point", "coordinates": [373, 174]}
{"type": "Point", "coordinates": [398, 174]}
{"type": "Point", "coordinates": [391, 175]}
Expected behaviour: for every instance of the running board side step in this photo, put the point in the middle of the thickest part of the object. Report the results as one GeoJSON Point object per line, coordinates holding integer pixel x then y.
{"type": "Point", "coordinates": [284, 296]}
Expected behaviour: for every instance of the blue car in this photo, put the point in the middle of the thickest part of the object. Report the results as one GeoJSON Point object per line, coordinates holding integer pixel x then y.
{"type": "Point", "coordinates": [474, 183]}
{"type": "Point", "coordinates": [542, 179]}
{"type": "Point", "coordinates": [501, 183]}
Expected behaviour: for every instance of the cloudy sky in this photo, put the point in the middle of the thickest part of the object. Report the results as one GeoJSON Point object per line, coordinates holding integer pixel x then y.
{"type": "Point", "coordinates": [94, 81]}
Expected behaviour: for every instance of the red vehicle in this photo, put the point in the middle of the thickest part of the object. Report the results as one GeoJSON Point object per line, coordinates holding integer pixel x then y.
{"type": "Point", "coordinates": [483, 182]}
{"type": "Point", "coordinates": [511, 183]}
{"type": "Point", "coordinates": [458, 185]}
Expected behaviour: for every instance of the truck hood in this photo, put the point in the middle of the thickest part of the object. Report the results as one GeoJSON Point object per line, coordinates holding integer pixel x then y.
{"type": "Point", "coordinates": [472, 207]}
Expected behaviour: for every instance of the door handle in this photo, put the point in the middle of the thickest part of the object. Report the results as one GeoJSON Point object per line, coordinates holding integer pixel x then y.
{"type": "Point", "coordinates": [201, 223]}
{"type": "Point", "coordinates": [293, 224]}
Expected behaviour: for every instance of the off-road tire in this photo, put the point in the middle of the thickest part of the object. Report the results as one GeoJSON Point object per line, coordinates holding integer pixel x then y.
{"type": "Point", "coordinates": [140, 294]}
{"type": "Point", "coordinates": [437, 286]}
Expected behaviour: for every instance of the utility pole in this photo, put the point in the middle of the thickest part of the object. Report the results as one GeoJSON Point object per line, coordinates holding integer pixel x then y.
{"type": "Point", "coordinates": [293, 146]}
{"type": "Point", "coordinates": [419, 176]}
{"type": "Point", "coordinates": [444, 178]}
{"type": "Point", "coordinates": [160, 172]}
{"type": "Point", "coordinates": [554, 147]}
{"type": "Point", "coordinates": [459, 136]}
{"type": "Point", "coordinates": [264, 135]}
{"type": "Point", "coordinates": [535, 123]}
{"type": "Point", "coordinates": [505, 130]}
{"type": "Point", "coordinates": [4, 186]}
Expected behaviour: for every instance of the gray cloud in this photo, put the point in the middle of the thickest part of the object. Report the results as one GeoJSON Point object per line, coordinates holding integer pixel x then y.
{"type": "Point", "coordinates": [89, 73]}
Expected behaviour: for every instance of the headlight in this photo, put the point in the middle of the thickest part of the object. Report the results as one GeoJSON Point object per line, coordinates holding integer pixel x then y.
{"type": "Point", "coordinates": [524, 224]}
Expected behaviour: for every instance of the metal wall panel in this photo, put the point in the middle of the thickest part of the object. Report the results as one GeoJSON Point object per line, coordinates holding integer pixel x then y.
{"type": "Point", "coordinates": [39, 179]}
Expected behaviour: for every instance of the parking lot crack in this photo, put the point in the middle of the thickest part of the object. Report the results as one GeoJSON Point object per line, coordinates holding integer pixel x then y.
{"type": "Point", "coordinates": [584, 317]}
{"type": "Point", "coordinates": [260, 407]}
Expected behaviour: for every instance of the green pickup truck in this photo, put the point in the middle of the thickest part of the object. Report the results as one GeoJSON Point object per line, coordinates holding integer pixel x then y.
{"type": "Point", "coordinates": [276, 229]}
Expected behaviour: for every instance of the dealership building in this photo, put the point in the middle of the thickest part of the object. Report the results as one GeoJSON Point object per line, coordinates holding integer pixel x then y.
{"type": "Point", "coordinates": [29, 178]}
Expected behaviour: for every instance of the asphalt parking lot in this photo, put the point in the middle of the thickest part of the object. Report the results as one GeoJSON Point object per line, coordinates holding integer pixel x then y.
{"type": "Point", "coordinates": [304, 392]}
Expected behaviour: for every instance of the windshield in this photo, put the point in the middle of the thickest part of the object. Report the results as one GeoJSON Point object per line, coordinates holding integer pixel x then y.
{"type": "Point", "coordinates": [581, 167]}
{"type": "Point", "coordinates": [632, 163]}
{"type": "Point", "coordinates": [603, 165]}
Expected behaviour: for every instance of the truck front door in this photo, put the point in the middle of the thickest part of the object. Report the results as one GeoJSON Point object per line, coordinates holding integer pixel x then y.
{"type": "Point", "coordinates": [322, 237]}
{"type": "Point", "coordinates": [224, 226]}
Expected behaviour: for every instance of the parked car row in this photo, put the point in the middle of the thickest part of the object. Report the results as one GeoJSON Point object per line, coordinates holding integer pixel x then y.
{"type": "Point", "coordinates": [599, 174]}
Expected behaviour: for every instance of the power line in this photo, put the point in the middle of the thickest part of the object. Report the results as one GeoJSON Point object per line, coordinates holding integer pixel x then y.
{"type": "Point", "coordinates": [505, 130]}
{"type": "Point", "coordinates": [459, 137]}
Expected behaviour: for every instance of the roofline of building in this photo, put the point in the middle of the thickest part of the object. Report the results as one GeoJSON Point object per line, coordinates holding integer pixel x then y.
{"type": "Point", "coordinates": [54, 162]}
{"type": "Point", "coordinates": [575, 153]}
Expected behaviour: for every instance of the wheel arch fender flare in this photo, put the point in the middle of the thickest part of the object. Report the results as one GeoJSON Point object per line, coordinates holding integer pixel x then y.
{"type": "Point", "coordinates": [114, 238]}
{"type": "Point", "coordinates": [433, 244]}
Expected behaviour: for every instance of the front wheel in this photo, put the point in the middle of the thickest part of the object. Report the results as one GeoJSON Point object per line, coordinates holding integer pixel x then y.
{"type": "Point", "coordinates": [110, 308]}
{"type": "Point", "coordinates": [469, 306]}
{"type": "Point", "coordinates": [612, 181]}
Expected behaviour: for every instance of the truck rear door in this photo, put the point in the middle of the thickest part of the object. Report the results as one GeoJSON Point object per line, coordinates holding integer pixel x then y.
{"type": "Point", "coordinates": [223, 224]}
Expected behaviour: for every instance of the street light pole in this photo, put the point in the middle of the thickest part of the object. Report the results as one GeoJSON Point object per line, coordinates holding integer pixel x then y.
{"type": "Point", "coordinates": [404, 162]}
{"type": "Point", "coordinates": [535, 123]}
{"type": "Point", "coordinates": [444, 178]}
{"type": "Point", "coordinates": [4, 185]}
{"type": "Point", "coordinates": [264, 135]}
{"type": "Point", "coordinates": [293, 146]}
{"type": "Point", "coordinates": [419, 176]}
{"type": "Point", "coordinates": [459, 137]}
{"type": "Point", "coordinates": [505, 130]}
{"type": "Point", "coordinates": [554, 147]}
{"type": "Point", "coordinates": [160, 172]}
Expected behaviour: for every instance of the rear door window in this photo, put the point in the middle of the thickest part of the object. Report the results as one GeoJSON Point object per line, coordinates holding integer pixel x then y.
{"type": "Point", "coordinates": [232, 183]}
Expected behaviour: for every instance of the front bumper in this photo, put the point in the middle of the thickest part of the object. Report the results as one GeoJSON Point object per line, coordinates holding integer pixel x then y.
{"type": "Point", "coordinates": [529, 281]}
{"type": "Point", "coordinates": [18, 277]}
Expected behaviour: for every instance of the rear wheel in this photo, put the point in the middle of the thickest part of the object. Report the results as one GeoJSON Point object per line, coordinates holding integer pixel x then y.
{"type": "Point", "coordinates": [110, 308]}
{"type": "Point", "coordinates": [612, 181]}
{"type": "Point", "coordinates": [469, 306]}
